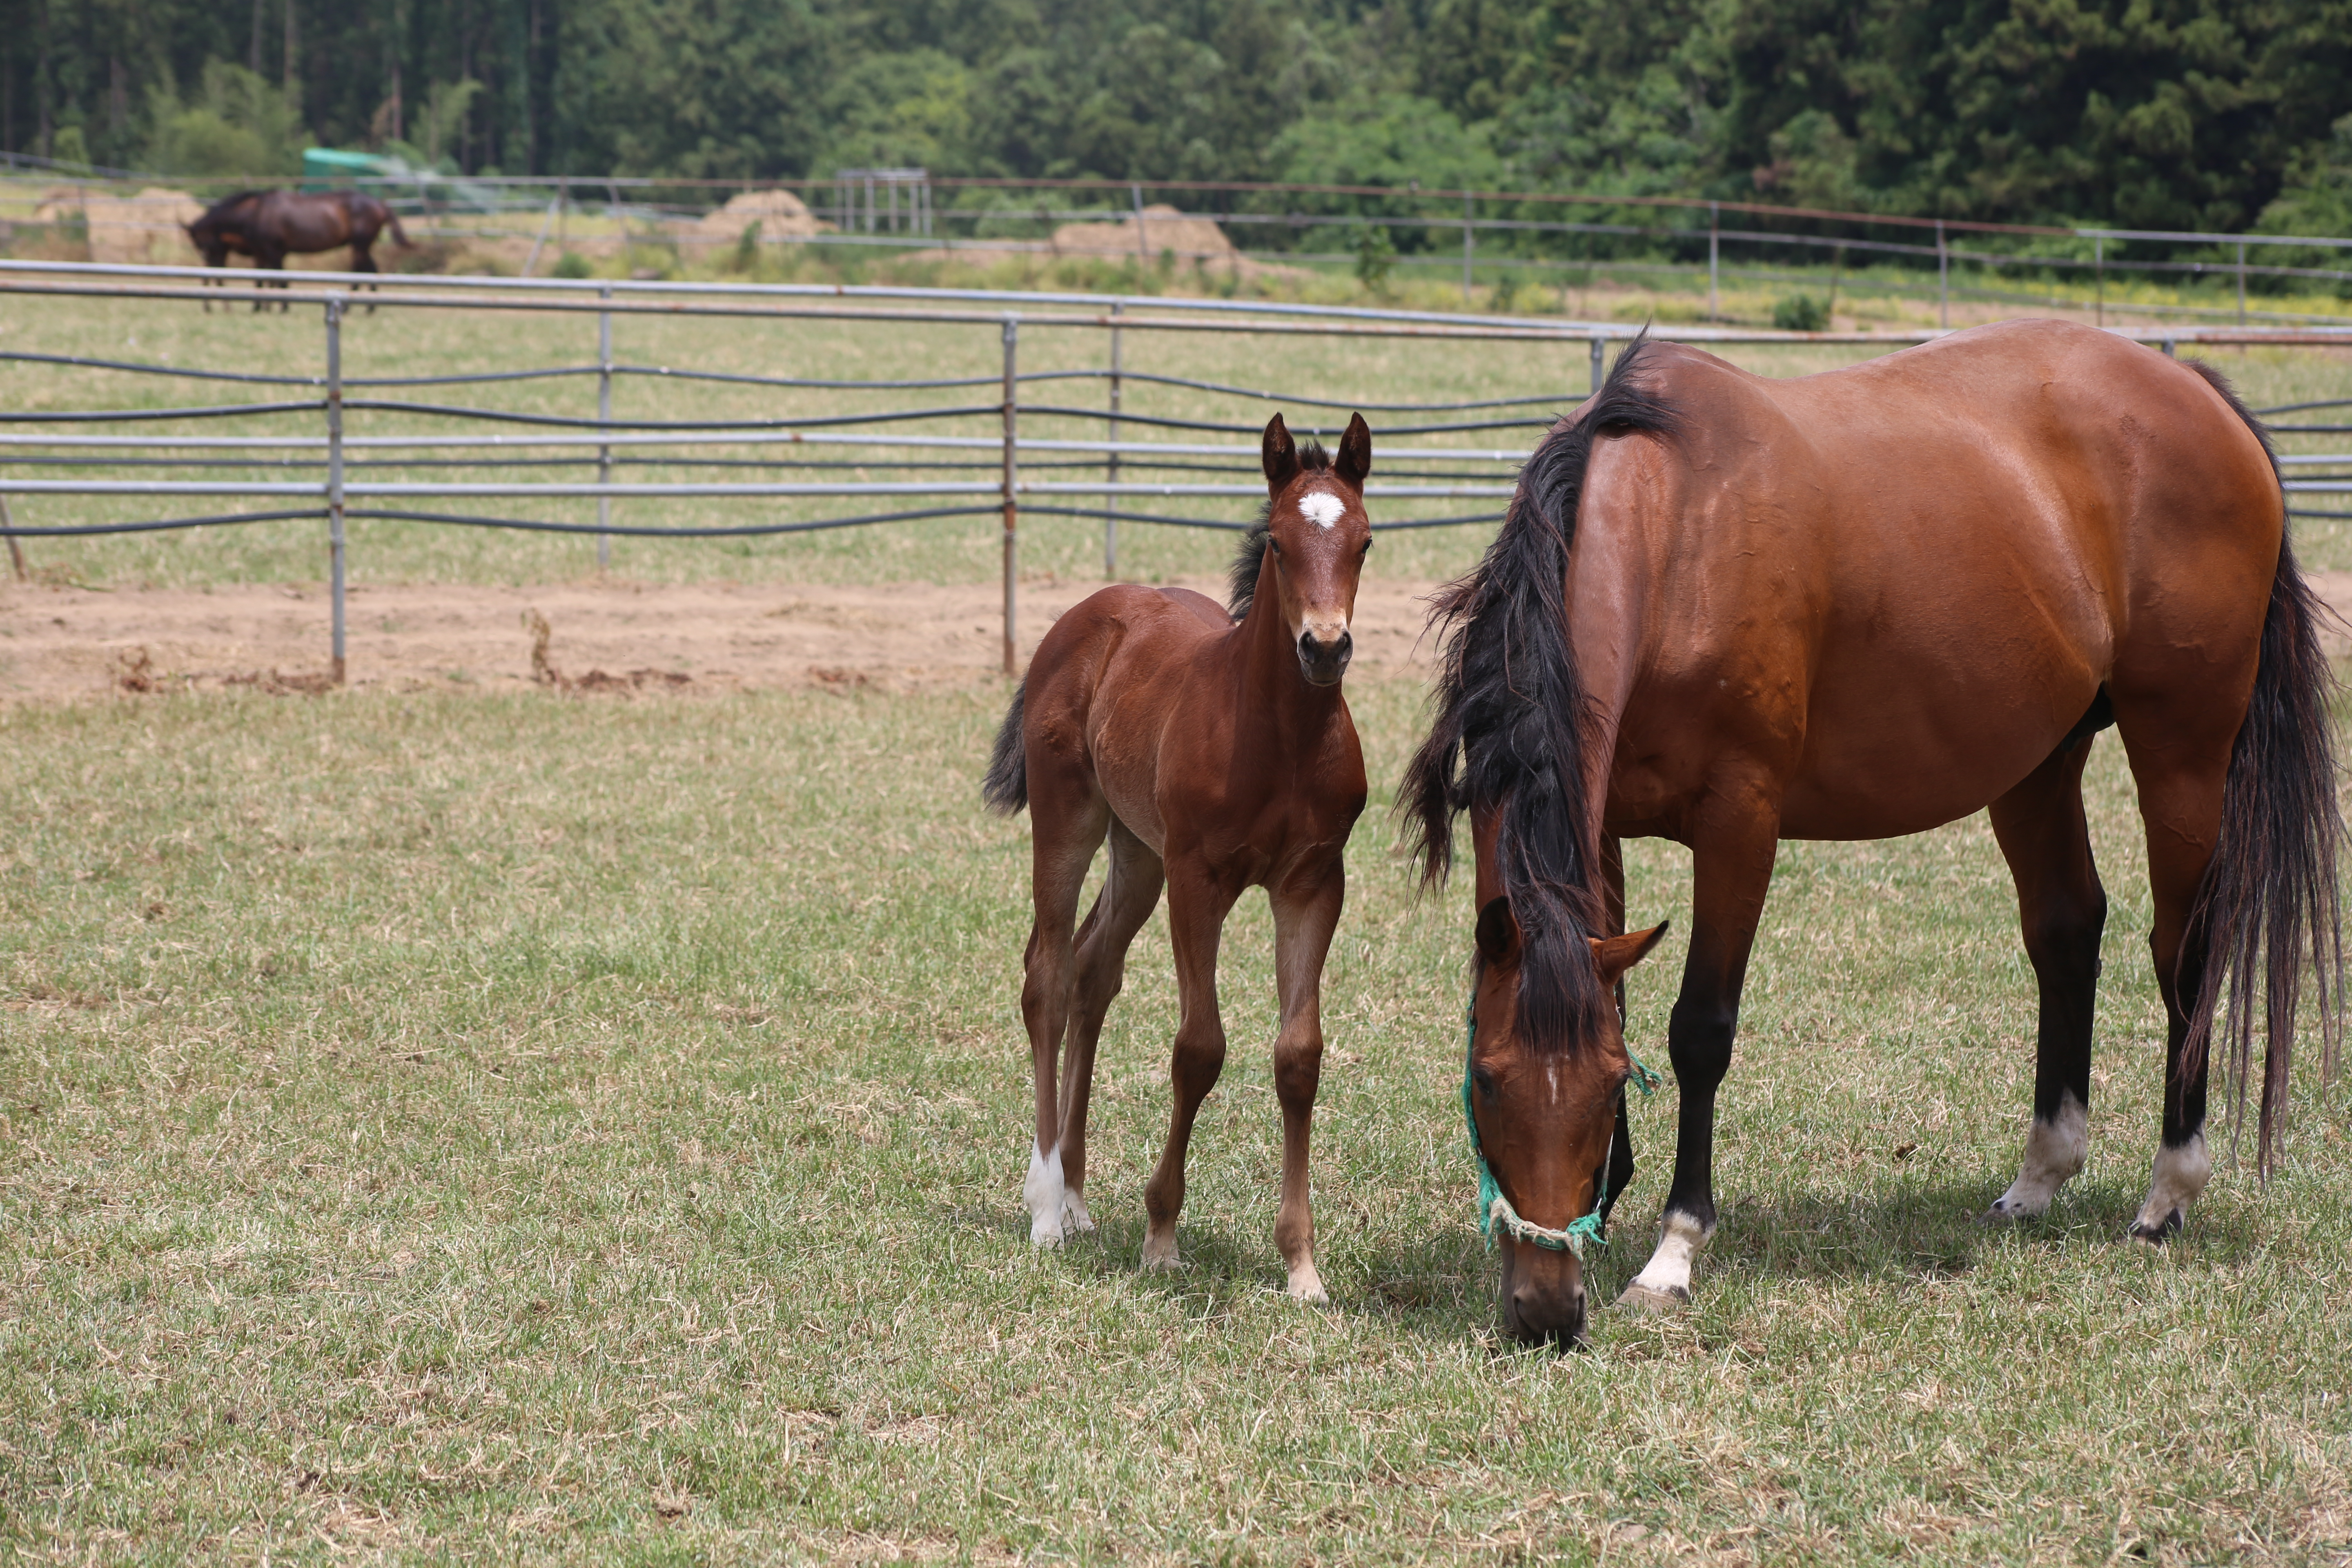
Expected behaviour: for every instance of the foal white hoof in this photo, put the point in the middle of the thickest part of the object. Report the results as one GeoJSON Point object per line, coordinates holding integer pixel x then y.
{"type": "Point", "coordinates": [1305, 1287]}
{"type": "Point", "coordinates": [1076, 1220]}
{"type": "Point", "coordinates": [1159, 1253]}
{"type": "Point", "coordinates": [1047, 1198]}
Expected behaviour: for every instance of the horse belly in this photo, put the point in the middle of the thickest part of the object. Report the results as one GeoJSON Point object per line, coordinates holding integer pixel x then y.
{"type": "Point", "coordinates": [1904, 735]}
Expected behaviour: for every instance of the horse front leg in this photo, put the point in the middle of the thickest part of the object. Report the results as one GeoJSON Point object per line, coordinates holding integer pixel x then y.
{"type": "Point", "coordinates": [1197, 907]}
{"type": "Point", "coordinates": [1305, 916]}
{"type": "Point", "coordinates": [1732, 843]}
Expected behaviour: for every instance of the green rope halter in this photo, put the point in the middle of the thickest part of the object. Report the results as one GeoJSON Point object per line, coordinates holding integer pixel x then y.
{"type": "Point", "coordinates": [1494, 1209]}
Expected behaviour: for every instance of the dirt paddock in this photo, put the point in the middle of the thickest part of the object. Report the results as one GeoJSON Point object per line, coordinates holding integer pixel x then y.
{"type": "Point", "coordinates": [61, 643]}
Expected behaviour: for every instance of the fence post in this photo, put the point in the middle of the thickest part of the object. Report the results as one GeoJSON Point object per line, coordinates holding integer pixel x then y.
{"type": "Point", "coordinates": [1714, 251]}
{"type": "Point", "coordinates": [1465, 247]}
{"type": "Point", "coordinates": [1012, 507]}
{"type": "Point", "coordinates": [2241, 282]}
{"type": "Point", "coordinates": [16, 551]}
{"type": "Point", "coordinates": [603, 419]}
{"type": "Point", "coordinates": [1142, 251]}
{"type": "Point", "coordinates": [2099, 268]}
{"type": "Point", "coordinates": [335, 482]}
{"type": "Point", "coordinates": [1600, 354]}
{"type": "Point", "coordinates": [1943, 279]}
{"type": "Point", "coordinates": [1110, 500]}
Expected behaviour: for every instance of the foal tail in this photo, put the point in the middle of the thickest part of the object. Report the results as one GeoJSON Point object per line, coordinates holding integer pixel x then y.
{"type": "Point", "coordinates": [1006, 787]}
{"type": "Point", "coordinates": [2271, 883]}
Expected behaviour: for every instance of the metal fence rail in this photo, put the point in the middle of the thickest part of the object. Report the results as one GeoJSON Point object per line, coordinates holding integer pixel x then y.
{"type": "Point", "coordinates": [341, 492]}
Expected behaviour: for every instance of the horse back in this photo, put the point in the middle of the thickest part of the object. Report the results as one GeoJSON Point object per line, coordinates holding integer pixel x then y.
{"type": "Point", "coordinates": [1904, 582]}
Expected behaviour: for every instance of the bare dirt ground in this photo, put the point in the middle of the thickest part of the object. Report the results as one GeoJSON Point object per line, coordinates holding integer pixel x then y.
{"type": "Point", "coordinates": [62, 644]}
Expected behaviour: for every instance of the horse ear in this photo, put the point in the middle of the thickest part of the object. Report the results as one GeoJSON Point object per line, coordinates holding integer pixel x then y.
{"type": "Point", "coordinates": [1498, 933]}
{"type": "Point", "coordinates": [1355, 453]}
{"type": "Point", "coordinates": [1614, 955]}
{"type": "Point", "coordinates": [1280, 455]}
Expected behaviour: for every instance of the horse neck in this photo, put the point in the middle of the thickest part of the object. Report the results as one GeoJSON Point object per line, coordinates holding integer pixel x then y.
{"type": "Point", "coordinates": [1265, 667]}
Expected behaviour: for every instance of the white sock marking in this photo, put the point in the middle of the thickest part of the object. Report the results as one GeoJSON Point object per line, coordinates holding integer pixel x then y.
{"type": "Point", "coordinates": [1076, 1220]}
{"type": "Point", "coordinates": [2179, 1175]}
{"type": "Point", "coordinates": [1045, 1195]}
{"type": "Point", "coordinates": [1668, 1272]}
{"type": "Point", "coordinates": [1322, 508]}
{"type": "Point", "coordinates": [2054, 1151]}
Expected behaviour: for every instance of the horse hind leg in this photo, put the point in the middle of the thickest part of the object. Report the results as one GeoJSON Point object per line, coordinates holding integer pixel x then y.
{"type": "Point", "coordinates": [363, 260]}
{"type": "Point", "coordinates": [1067, 824]}
{"type": "Point", "coordinates": [1130, 892]}
{"type": "Point", "coordinates": [2046, 840]}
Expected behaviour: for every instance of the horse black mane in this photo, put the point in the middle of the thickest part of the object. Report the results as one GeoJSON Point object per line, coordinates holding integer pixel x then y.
{"type": "Point", "coordinates": [1312, 458]}
{"type": "Point", "coordinates": [1506, 727]}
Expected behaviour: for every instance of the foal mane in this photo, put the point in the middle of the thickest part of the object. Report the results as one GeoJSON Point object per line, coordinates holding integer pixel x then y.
{"type": "Point", "coordinates": [1507, 724]}
{"type": "Point", "coordinates": [1312, 458]}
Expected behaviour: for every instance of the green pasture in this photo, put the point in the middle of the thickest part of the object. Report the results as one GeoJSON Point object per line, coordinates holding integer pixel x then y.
{"type": "Point", "coordinates": [396, 343]}
{"type": "Point", "coordinates": [556, 1129]}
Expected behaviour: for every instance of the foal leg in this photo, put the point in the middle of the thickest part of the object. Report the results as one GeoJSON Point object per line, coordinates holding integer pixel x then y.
{"type": "Point", "coordinates": [1732, 846]}
{"type": "Point", "coordinates": [2064, 909]}
{"type": "Point", "coordinates": [1197, 907]}
{"type": "Point", "coordinates": [1064, 834]}
{"type": "Point", "coordinates": [1305, 917]}
{"type": "Point", "coordinates": [1128, 896]}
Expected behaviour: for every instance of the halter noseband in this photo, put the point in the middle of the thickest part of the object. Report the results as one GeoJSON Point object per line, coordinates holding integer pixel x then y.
{"type": "Point", "coordinates": [1494, 1209]}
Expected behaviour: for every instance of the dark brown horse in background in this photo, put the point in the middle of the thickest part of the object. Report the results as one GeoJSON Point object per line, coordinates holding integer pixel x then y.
{"type": "Point", "coordinates": [268, 226]}
{"type": "Point", "coordinates": [1729, 611]}
{"type": "Point", "coordinates": [1211, 744]}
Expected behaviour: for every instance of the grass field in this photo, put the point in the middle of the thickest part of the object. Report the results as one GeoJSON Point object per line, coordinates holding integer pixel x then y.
{"type": "Point", "coordinates": [585, 1130]}
{"type": "Point", "coordinates": [454, 1126]}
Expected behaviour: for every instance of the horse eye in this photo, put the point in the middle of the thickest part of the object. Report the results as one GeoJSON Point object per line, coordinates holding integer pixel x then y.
{"type": "Point", "coordinates": [1484, 1080]}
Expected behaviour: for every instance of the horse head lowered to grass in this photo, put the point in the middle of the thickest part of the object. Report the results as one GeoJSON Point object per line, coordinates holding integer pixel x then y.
{"type": "Point", "coordinates": [1211, 745]}
{"type": "Point", "coordinates": [1727, 611]}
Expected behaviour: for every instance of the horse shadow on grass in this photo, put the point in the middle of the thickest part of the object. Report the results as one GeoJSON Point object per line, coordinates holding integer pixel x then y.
{"type": "Point", "coordinates": [1441, 1285]}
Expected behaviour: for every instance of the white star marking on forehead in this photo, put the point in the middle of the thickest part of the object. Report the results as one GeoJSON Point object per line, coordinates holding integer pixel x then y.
{"type": "Point", "coordinates": [1322, 508]}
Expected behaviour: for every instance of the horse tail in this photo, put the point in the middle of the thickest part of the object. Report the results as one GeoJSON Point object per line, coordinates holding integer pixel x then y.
{"type": "Point", "coordinates": [399, 234]}
{"type": "Point", "coordinates": [2271, 888]}
{"type": "Point", "coordinates": [1006, 788]}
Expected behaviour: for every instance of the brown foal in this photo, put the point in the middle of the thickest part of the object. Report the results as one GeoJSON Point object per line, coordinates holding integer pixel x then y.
{"type": "Point", "coordinates": [1213, 749]}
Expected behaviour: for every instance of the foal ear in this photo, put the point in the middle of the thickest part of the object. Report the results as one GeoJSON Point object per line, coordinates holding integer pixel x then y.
{"type": "Point", "coordinates": [1498, 933]}
{"type": "Point", "coordinates": [1614, 955]}
{"type": "Point", "coordinates": [1280, 455]}
{"type": "Point", "coordinates": [1355, 453]}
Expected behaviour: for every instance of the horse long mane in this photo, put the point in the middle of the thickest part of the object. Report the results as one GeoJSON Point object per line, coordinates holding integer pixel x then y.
{"type": "Point", "coordinates": [1508, 718]}
{"type": "Point", "coordinates": [1251, 556]}
{"type": "Point", "coordinates": [221, 207]}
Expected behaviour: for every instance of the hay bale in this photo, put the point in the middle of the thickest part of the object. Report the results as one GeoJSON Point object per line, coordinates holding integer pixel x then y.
{"type": "Point", "coordinates": [780, 215]}
{"type": "Point", "coordinates": [147, 230]}
{"type": "Point", "coordinates": [1159, 228]}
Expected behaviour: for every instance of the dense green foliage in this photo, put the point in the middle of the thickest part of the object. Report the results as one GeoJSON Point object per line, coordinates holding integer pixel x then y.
{"type": "Point", "coordinates": [2145, 113]}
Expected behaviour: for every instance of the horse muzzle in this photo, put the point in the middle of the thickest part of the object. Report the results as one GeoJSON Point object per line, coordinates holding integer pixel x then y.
{"type": "Point", "coordinates": [1323, 659]}
{"type": "Point", "coordinates": [1542, 1297]}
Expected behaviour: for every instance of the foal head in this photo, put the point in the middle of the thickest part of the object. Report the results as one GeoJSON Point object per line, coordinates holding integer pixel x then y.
{"type": "Point", "coordinates": [1314, 537]}
{"type": "Point", "coordinates": [1544, 1106]}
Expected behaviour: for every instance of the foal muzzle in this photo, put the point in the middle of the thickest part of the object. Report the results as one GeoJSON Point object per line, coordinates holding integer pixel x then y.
{"type": "Point", "coordinates": [1324, 662]}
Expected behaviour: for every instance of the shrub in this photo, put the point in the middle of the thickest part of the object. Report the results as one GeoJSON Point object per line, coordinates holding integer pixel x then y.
{"type": "Point", "coordinates": [574, 265]}
{"type": "Point", "coordinates": [1800, 313]}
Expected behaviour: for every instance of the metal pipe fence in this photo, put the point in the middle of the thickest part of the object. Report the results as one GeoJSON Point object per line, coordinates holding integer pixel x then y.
{"type": "Point", "coordinates": [340, 490]}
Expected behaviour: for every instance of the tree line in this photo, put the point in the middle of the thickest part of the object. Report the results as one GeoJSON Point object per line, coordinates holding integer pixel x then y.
{"type": "Point", "coordinates": [2141, 114]}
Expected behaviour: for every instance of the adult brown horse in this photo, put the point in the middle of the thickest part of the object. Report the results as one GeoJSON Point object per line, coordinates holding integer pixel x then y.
{"type": "Point", "coordinates": [1212, 745]}
{"type": "Point", "coordinates": [268, 226]}
{"type": "Point", "coordinates": [1729, 611]}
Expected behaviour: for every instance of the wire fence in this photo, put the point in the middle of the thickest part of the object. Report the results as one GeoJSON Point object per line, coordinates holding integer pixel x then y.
{"type": "Point", "coordinates": [1508, 233]}
{"type": "Point", "coordinates": [1002, 475]}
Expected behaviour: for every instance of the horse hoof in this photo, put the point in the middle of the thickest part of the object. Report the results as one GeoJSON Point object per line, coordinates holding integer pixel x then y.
{"type": "Point", "coordinates": [1076, 1220]}
{"type": "Point", "coordinates": [1161, 1257]}
{"type": "Point", "coordinates": [2156, 1235]}
{"type": "Point", "coordinates": [1640, 1298]}
{"type": "Point", "coordinates": [1044, 1234]}
{"type": "Point", "coordinates": [1306, 1288]}
{"type": "Point", "coordinates": [2004, 1212]}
